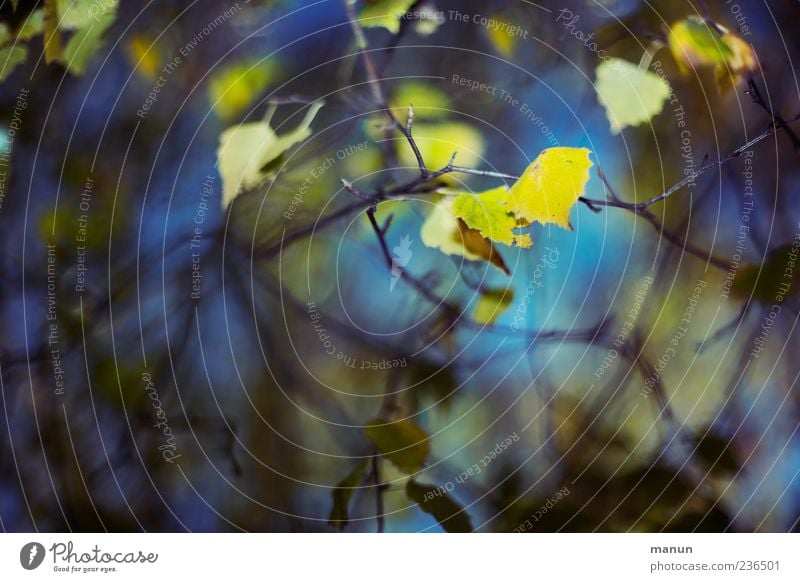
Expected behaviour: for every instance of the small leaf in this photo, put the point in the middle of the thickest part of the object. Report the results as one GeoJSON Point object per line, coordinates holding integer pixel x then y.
{"type": "Point", "coordinates": [5, 33]}
{"type": "Point", "coordinates": [342, 493]}
{"type": "Point", "coordinates": [503, 42]}
{"type": "Point", "coordinates": [695, 43]}
{"type": "Point", "coordinates": [403, 442]}
{"type": "Point", "coordinates": [489, 213]}
{"type": "Point", "coordinates": [551, 185]}
{"type": "Point", "coordinates": [245, 151]}
{"type": "Point", "coordinates": [741, 63]}
{"type": "Point", "coordinates": [10, 58]}
{"type": "Point", "coordinates": [85, 42]}
{"type": "Point", "coordinates": [235, 87]}
{"type": "Point", "coordinates": [80, 14]}
{"type": "Point", "coordinates": [444, 231]}
{"type": "Point", "coordinates": [144, 56]}
{"type": "Point", "coordinates": [385, 14]}
{"type": "Point", "coordinates": [630, 95]}
{"type": "Point", "coordinates": [491, 305]}
{"type": "Point", "coordinates": [33, 25]}
{"type": "Point", "coordinates": [433, 501]}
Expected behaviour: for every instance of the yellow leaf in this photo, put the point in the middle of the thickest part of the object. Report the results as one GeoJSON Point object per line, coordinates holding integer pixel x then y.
{"type": "Point", "coordinates": [551, 185]}
{"type": "Point", "coordinates": [630, 95]}
{"type": "Point", "coordinates": [143, 56]}
{"type": "Point", "coordinates": [695, 43]}
{"type": "Point", "coordinates": [503, 42]}
{"type": "Point", "coordinates": [233, 88]}
{"type": "Point", "coordinates": [385, 14]}
{"type": "Point", "coordinates": [403, 442]}
{"type": "Point", "coordinates": [442, 230]}
{"type": "Point", "coordinates": [245, 152]}
{"type": "Point", "coordinates": [489, 213]}
{"type": "Point", "coordinates": [742, 62]}
{"type": "Point", "coordinates": [491, 305]}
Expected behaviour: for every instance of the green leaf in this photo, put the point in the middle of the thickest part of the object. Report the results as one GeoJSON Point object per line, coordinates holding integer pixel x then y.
{"type": "Point", "coordinates": [10, 58]}
{"type": "Point", "coordinates": [32, 26]}
{"type": "Point", "coordinates": [245, 151]}
{"type": "Point", "coordinates": [490, 214]}
{"type": "Point", "coordinates": [342, 493]}
{"type": "Point", "coordinates": [695, 43]}
{"type": "Point", "coordinates": [491, 305]}
{"type": "Point", "coordinates": [433, 501]}
{"type": "Point", "coordinates": [80, 14]}
{"type": "Point", "coordinates": [5, 33]}
{"type": "Point", "coordinates": [444, 231]}
{"type": "Point", "coordinates": [630, 95]}
{"type": "Point", "coordinates": [85, 42]}
{"type": "Point", "coordinates": [403, 442]}
{"type": "Point", "coordinates": [235, 87]}
{"type": "Point", "coordinates": [385, 14]}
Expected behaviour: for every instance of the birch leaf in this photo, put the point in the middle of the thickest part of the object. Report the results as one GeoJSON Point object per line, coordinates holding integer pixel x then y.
{"type": "Point", "coordinates": [442, 230]}
{"type": "Point", "coordinates": [10, 58]}
{"type": "Point", "coordinates": [246, 150]}
{"type": "Point", "coordinates": [550, 186]}
{"type": "Point", "coordinates": [630, 95]}
{"type": "Point", "coordinates": [490, 214]}
{"type": "Point", "coordinates": [695, 43]}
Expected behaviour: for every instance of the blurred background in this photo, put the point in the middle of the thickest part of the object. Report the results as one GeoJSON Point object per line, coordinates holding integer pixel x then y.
{"type": "Point", "coordinates": [172, 361]}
